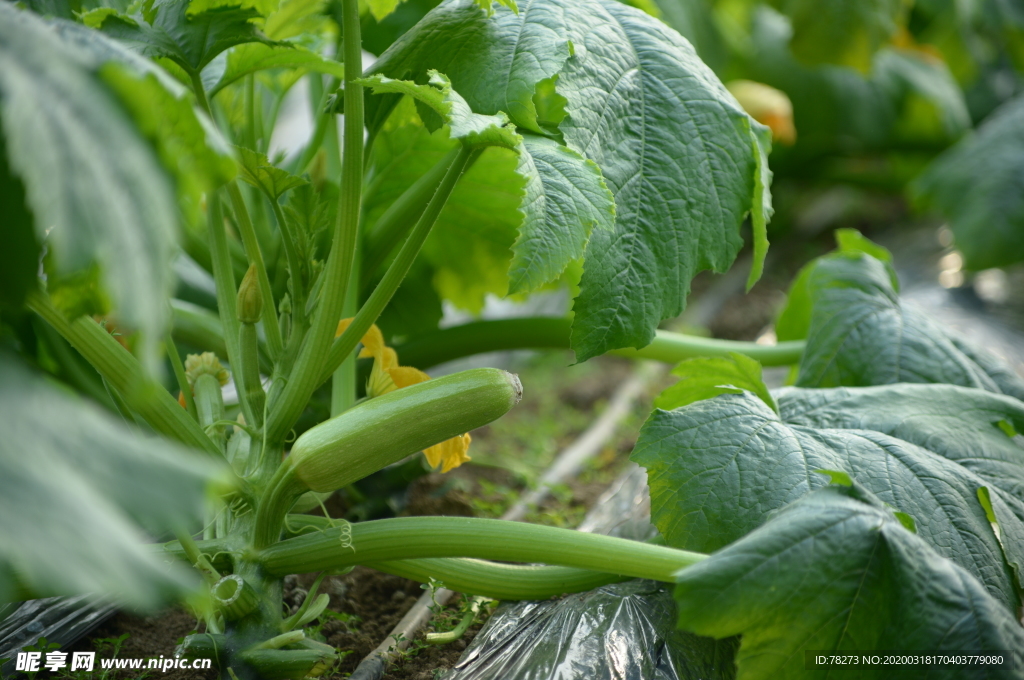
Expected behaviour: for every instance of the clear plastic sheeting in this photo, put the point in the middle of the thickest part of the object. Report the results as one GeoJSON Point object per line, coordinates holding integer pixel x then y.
{"type": "Point", "coordinates": [623, 631]}
{"type": "Point", "coordinates": [61, 620]}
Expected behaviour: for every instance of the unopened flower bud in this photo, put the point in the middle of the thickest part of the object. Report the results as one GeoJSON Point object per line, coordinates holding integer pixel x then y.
{"type": "Point", "coordinates": [767, 106]}
{"type": "Point", "coordinates": [249, 306]}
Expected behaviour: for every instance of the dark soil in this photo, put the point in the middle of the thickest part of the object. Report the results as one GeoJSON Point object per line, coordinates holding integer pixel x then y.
{"type": "Point", "coordinates": [147, 637]}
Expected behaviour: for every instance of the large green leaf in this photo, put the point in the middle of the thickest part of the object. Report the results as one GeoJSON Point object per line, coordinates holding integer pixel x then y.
{"type": "Point", "coordinates": [836, 571]}
{"type": "Point", "coordinates": [978, 185]}
{"type": "Point", "coordinates": [92, 181]}
{"type": "Point", "coordinates": [186, 140]}
{"type": "Point", "coordinates": [957, 423]}
{"type": "Point", "coordinates": [844, 32]}
{"type": "Point", "coordinates": [683, 161]}
{"type": "Point", "coordinates": [719, 467]}
{"type": "Point", "coordinates": [168, 29]}
{"type": "Point", "coordinates": [860, 333]}
{"type": "Point", "coordinates": [78, 491]}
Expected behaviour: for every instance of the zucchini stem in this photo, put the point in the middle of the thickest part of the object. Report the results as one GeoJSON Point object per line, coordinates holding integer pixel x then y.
{"type": "Point", "coordinates": [305, 375]}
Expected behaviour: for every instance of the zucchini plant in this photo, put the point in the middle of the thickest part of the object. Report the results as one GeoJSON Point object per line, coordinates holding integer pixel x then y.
{"type": "Point", "coordinates": [490, 149]}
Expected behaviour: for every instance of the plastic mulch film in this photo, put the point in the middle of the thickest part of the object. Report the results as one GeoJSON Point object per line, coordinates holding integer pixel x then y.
{"type": "Point", "coordinates": [60, 620]}
{"type": "Point", "coordinates": [623, 631]}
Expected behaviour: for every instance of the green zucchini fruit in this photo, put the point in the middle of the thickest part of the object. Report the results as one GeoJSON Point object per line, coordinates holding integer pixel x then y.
{"type": "Point", "coordinates": [385, 429]}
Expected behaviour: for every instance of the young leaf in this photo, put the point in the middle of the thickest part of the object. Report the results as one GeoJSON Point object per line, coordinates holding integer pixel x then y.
{"type": "Point", "coordinates": [707, 377]}
{"type": "Point", "coordinates": [978, 185]}
{"type": "Point", "coordinates": [79, 491]}
{"type": "Point", "coordinates": [860, 333]}
{"type": "Point", "coordinates": [683, 161]}
{"type": "Point", "coordinates": [265, 176]}
{"type": "Point", "coordinates": [92, 182]}
{"type": "Point", "coordinates": [297, 17]}
{"type": "Point", "coordinates": [719, 467]}
{"type": "Point", "coordinates": [836, 571]}
{"type": "Point", "coordinates": [170, 29]}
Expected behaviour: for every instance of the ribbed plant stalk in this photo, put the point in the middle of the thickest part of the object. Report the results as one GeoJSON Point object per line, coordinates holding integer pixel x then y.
{"type": "Point", "coordinates": [305, 375]}
{"type": "Point", "coordinates": [124, 373]}
{"type": "Point", "coordinates": [209, 405]}
{"type": "Point", "coordinates": [407, 538]}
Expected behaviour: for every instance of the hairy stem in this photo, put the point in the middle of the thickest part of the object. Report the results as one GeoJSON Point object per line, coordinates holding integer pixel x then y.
{"type": "Point", "coordinates": [224, 278]}
{"type": "Point", "coordinates": [294, 267]}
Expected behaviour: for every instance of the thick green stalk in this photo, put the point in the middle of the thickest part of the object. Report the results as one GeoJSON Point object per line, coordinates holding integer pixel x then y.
{"type": "Point", "coordinates": [252, 249]}
{"type": "Point", "coordinates": [497, 580]}
{"type": "Point", "coordinates": [435, 348]}
{"type": "Point", "coordinates": [393, 226]}
{"type": "Point", "coordinates": [124, 373]}
{"type": "Point", "coordinates": [381, 295]}
{"type": "Point", "coordinates": [305, 376]}
{"type": "Point", "coordinates": [490, 539]}
{"type": "Point", "coordinates": [476, 577]}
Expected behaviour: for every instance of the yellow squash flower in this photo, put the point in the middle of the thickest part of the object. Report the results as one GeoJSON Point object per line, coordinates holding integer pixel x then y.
{"type": "Point", "coordinates": [387, 376]}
